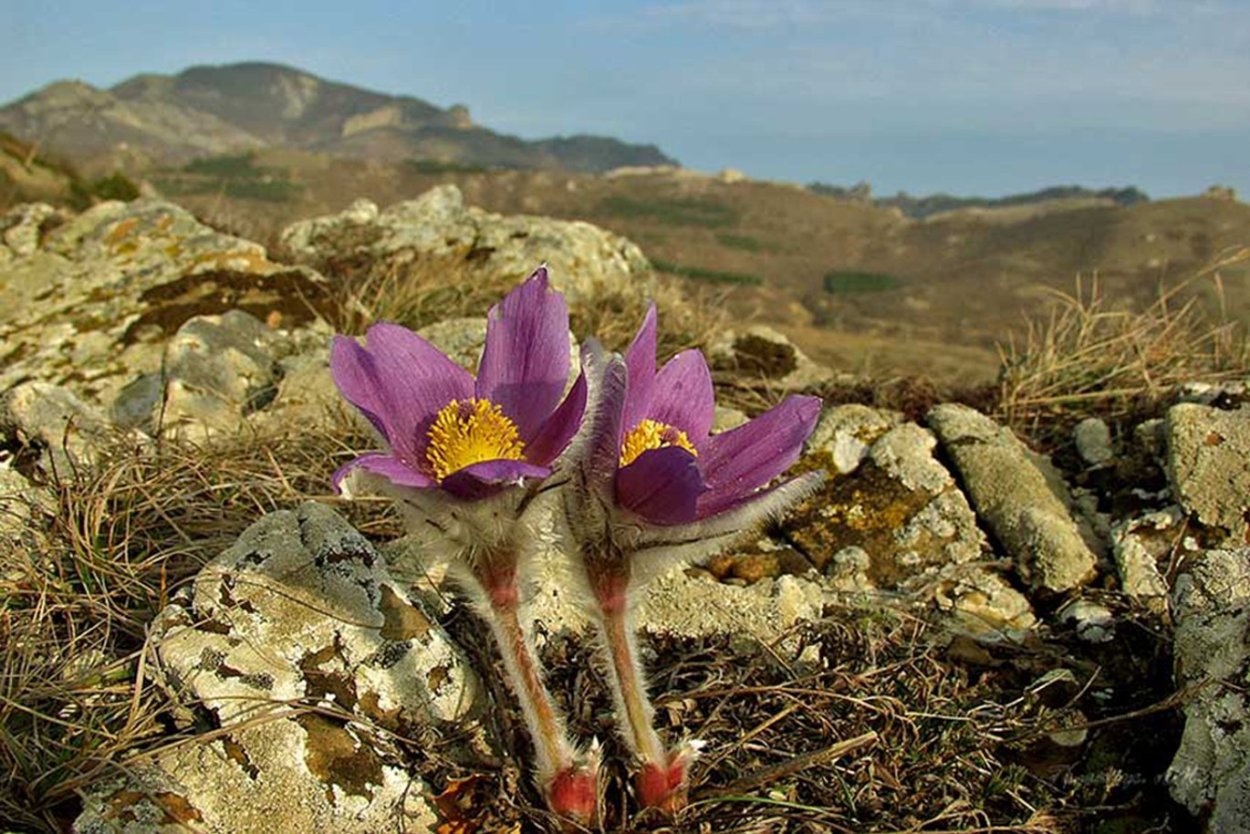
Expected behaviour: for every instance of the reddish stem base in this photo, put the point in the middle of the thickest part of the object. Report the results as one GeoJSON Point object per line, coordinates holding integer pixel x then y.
{"type": "Point", "coordinates": [663, 786]}
{"type": "Point", "coordinates": [574, 793]}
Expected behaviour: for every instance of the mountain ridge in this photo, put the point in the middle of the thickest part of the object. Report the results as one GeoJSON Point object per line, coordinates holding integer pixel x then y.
{"type": "Point", "coordinates": [204, 110]}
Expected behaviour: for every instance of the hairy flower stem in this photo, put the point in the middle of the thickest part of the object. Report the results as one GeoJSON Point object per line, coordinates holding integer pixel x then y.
{"type": "Point", "coordinates": [570, 788]}
{"type": "Point", "coordinates": [662, 779]}
{"type": "Point", "coordinates": [627, 678]}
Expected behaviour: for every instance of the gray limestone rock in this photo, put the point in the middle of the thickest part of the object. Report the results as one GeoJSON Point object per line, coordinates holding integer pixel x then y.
{"type": "Point", "coordinates": [1013, 496]}
{"type": "Point", "coordinates": [218, 369]}
{"type": "Point", "coordinates": [462, 339]}
{"type": "Point", "coordinates": [584, 259]}
{"type": "Point", "coordinates": [279, 776]}
{"type": "Point", "coordinates": [299, 600]}
{"type": "Point", "coordinates": [1210, 774]}
{"type": "Point", "coordinates": [67, 432]}
{"type": "Point", "coordinates": [1207, 454]}
{"type": "Point", "coordinates": [691, 604]}
{"type": "Point", "coordinates": [304, 649]}
{"type": "Point", "coordinates": [91, 305]}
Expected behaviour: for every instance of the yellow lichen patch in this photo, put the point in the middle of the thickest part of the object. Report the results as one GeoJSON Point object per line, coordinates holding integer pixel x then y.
{"type": "Point", "coordinates": [119, 232]}
{"type": "Point", "coordinates": [470, 431]}
{"type": "Point", "coordinates": [650, 434]}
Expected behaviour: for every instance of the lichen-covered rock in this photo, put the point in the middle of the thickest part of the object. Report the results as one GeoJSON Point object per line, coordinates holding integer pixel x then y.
{"type": "Point", "coordinates": [23, 227]}
{"type": "Point", "coordinates": [301, 606]}
{"type": "Point", "coordinates": [278, 776]}
{"type": "Point", "coordinates": [1207, 453]}
{"type": "Point", "coordinates": [299, 643]}
{"type": "Point", "coordinates": [759, 353]}
{"type": "Point", "coordinates": [216, 370]}
{"type": "Point", "coordinates": [23, 538]}
{"type": "Point", "coordinates": [982, 602]}
{"type": "Point", "coordinates": [900, 507]}
{"type": "Point", "coordinates": [1210, 774]}
{"type": "Point", "coordinates": [1141, 547]}
{"type": "Point", "coordinates": [51, 421]}
{"type": "Point", "coordinates": [1013, 496]}
{"type": "Point", "coordinates": [584, 259]}
{"type": "Point", "coordinates": [689, 603]}
{"type": "Point", "coordinates": [765, 558]}
{"type": "Point", "coordinates": [847, 432]}
{"type": "Point", "coordinates": [91, 306]}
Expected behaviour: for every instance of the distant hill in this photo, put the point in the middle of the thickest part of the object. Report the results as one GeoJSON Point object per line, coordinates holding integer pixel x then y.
{"type": "Point", "coordinates": [929, 205]}
{"type": "Point", "coordinates": [213, 110]}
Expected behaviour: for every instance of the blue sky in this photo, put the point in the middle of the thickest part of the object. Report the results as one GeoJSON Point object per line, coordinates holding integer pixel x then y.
{"type": "Point", "coordinates": [964, 96]}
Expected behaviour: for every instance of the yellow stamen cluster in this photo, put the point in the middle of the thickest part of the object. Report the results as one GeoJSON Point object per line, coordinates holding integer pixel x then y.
{"type": "Point", "coordinates": [650, 434]}
{"type": "Point", "coordinates": [470, 431]}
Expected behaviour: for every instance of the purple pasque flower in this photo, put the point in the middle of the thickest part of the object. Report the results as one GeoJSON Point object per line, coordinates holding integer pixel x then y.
{"type": "Point", "coordinates": [455, 448]}
{"type": "Point", "coordinates": [652, 487]}
{"type": "Point", "coordinates": [672, 471]}
{"type": "Point", "coordinates": [444, 429]}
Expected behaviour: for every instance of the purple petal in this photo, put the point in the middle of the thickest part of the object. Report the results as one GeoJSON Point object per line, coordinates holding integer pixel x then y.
{"type": "Point", "coordinates": [490, 476]}
{"type": "Point", "coordinates": [738, 462]}
{"type": "Point", "coordinates": [399, 381]}
{"type": "Point", "coordinates": [683, 395]}
{"type": "Point", "coordinates": [525, 365]}
{"type": "Point", "coordinates": [640, 361]}
{"type": "Point", "coordinates": [600, 446]}
{"type": "Point", "coordinates": [560, 427]}
{"type": "Point", "coordinates": [662, 485]}
{"type": "Point", "coordinates": [387, 466]}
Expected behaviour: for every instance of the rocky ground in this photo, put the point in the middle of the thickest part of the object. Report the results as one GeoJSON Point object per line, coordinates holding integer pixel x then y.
{"type": "Point", "coordinates": [958, 633]}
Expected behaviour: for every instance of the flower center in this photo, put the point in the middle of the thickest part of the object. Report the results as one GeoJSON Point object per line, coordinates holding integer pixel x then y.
{"type": "Point", "coordinates": [470, 431]}
{"type": "Point", "coordinates": [649, 435]}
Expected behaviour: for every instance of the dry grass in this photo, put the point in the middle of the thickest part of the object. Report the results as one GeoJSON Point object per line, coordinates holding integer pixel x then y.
{"type": "Point", "coordinates": [1089, 356]}
{"type": "Point", "coordinates": [100, 560]}
{"type": "Point", "coordinates": [427, 289]}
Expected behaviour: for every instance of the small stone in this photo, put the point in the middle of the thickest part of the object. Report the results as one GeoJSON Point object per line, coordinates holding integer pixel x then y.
{"type": "Point", "coordinates": [1092, 622]}
{"type": "Point", "coordinates": [1093, 441]}
{"type": "Point", "coordinates": [1138, 545]}
{"type": "Point", "coordinates": [983, 603]}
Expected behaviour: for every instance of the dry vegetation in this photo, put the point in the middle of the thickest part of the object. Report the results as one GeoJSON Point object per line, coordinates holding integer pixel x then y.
{"type": "Point", "coordinates": [1089, 355]}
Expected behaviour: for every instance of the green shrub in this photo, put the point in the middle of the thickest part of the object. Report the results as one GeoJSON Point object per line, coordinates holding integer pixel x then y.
{"type": "Point", "coordinates": [270, 190]}
{"type": "Point", "coordinates": [852, 281]}
{"type": "Point", "coordinates": [239, 166]}
{"type": "Point", "coordinates": [677, 212]}
{"type": "Point", "coordinates": [436, 166]}
{"type": "Point", "coordinates": [713, 276]}
{"type": "Point", "coordinates": [117, 186]}
{"type": "Point", "coordinates": [743, 242]}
